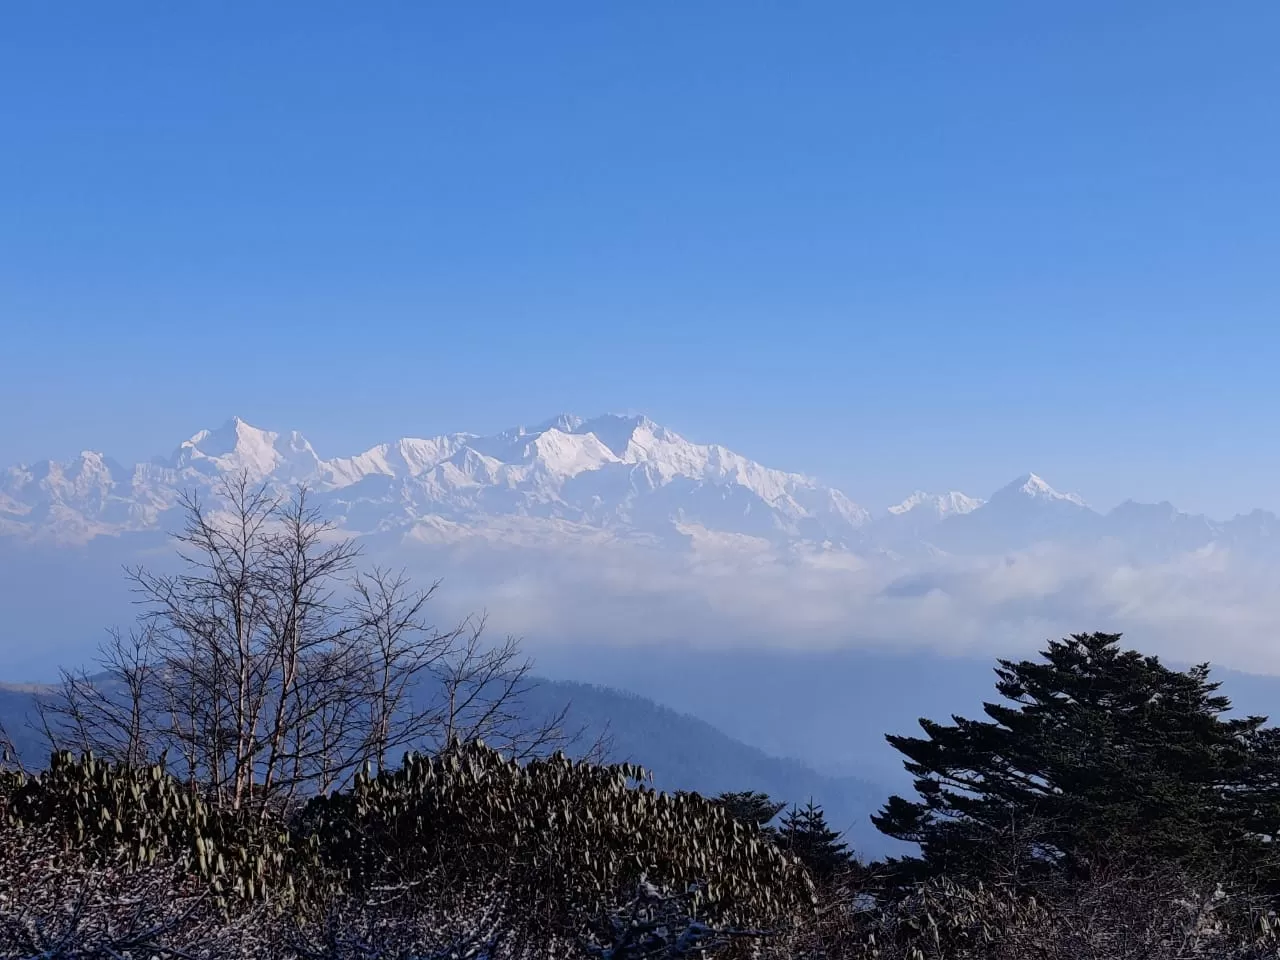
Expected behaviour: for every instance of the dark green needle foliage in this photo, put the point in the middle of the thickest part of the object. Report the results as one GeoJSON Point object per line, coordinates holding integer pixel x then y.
{"type": "Point", "coordinates": [1095, 754]}
{"type": "Point", "coordinates": [806, 835]}
{"type": "Point", "coordinates": [754, 807]}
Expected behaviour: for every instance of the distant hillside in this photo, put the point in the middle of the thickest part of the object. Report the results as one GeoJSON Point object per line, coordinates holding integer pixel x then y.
{"type": "Point", "coordinates": [685, 753]}
{"type": "Point", "coordinates": [681, 751]}
{"type": "Point", "coordinates": [18, 717]}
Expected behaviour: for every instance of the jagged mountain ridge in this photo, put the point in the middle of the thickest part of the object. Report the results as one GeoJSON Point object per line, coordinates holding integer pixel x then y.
{"type": "Point", "coordinates": [610, 476]}
{"type": "Point", "coordinates": [625, 474]}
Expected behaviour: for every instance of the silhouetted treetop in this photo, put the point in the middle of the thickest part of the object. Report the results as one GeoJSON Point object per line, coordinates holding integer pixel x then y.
{"type": "Point", "coordinates": [1096, 752]}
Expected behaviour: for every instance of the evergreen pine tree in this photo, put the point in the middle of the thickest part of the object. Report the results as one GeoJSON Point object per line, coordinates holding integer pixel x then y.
{"type": "Point", "coordinates": [806, 835]}
{"type": "Point", "coordinates": [751, 806]}
{"type": "Point", "coordinates": [1098, 752]}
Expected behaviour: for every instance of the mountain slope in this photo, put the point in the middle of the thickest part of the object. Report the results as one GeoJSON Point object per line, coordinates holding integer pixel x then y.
{"type": "Point", "coordinates": [681, 751]}
{"type": "Point", "coordinates": [1024, 511]}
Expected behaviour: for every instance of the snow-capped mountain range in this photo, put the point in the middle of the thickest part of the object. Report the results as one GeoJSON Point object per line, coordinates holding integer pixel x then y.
{"type": "Point", "coordinates": [609, 476]}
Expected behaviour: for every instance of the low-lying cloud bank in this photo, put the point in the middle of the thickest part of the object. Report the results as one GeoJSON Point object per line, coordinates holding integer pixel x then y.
{"type": "Point", "coordinates": [721, 593]}
{"type": "Point", "coordinates": [1206, 604]}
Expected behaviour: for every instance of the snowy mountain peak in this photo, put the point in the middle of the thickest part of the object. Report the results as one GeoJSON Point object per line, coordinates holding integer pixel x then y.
{"type": "Point", "coordinates": [1033, 486]}
{"type": "Point", "coordinates": [565, 423]}
{"type": "Point", "coordinates": [239, 447]}
{"type": "Point", "coordinates": [940, 505]}
{"type": "Point", "coordinates": [616, 476]}
{"type": "Point", "coordinates": [565, 454]}
{"type": "Point", "coordinates": [618, 431]}
{"type": "Point", "coordinates": [574, 480]}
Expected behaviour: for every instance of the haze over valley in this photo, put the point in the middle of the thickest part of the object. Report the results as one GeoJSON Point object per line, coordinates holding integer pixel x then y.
{"type": "Point", "coordinates": [616, 532]}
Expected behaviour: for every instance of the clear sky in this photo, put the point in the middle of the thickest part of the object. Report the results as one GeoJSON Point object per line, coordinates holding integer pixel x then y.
{"type": "Point", "coordinates": [893, 245]}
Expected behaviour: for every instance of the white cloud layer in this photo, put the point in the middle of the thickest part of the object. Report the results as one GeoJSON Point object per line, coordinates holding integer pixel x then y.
{"type": "Point", "coordinates": [1201, 604]}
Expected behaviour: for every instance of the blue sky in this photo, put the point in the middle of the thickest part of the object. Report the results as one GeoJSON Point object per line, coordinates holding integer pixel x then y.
{"type": "Point", "coordinates": [893, 245]}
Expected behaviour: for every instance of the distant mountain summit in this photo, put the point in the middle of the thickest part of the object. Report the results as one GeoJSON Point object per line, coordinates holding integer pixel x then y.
{"type": "Point", "coordinates": [619, 478]}
{"type": "Point", "coordinates": [625, 475]}
{"type": "Point", "coordinates": [241, 447]}
{"type": "Point", "coordinates": [935, 506]}
{"type": "Point", "coordinates": [1031, 487]}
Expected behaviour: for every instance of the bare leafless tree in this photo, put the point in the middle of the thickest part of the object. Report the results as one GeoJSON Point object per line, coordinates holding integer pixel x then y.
{"type": "Point", "coordinates": [8, 751]}
{"type": "Point", "coordinates": [269, 667]}
{"type": "Point", "coordinates": [107, 718]}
